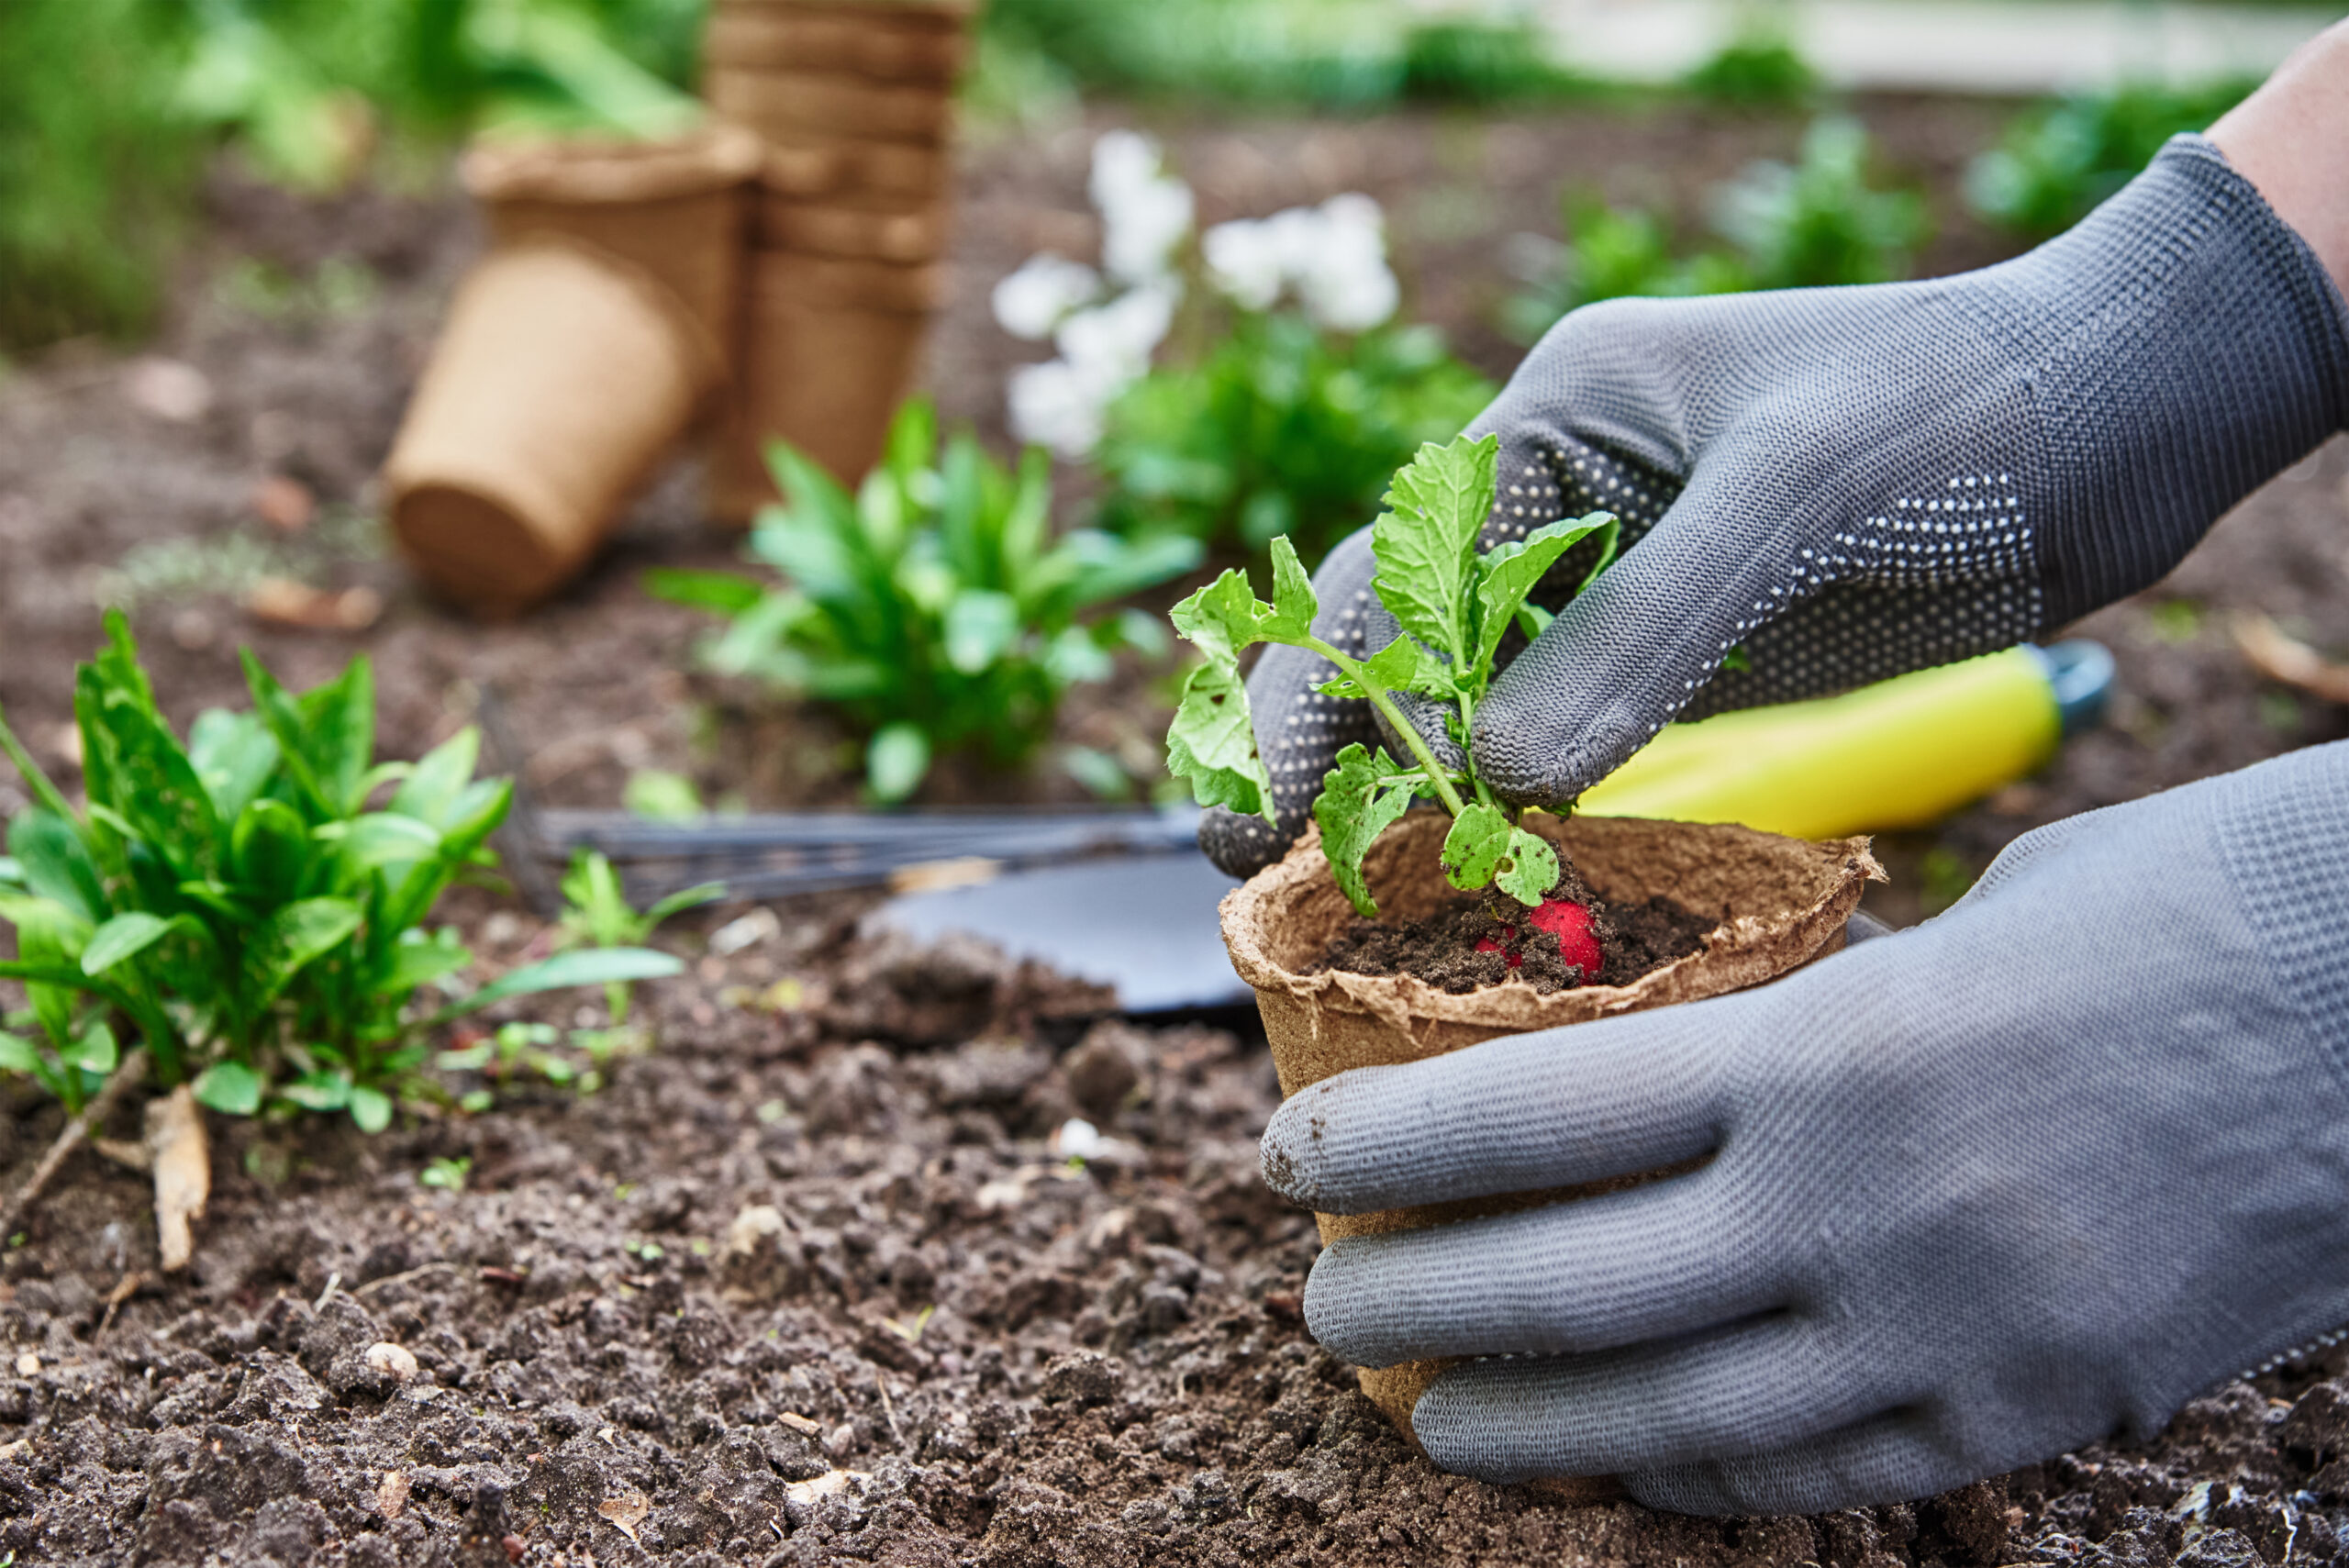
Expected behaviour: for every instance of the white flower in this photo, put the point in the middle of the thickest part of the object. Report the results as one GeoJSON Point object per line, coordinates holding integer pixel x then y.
{"type": "Point", "coordinates": [1243, 260]}
{"type": "Point", "coordinates": [1077, 1140]}
{"type": "Point", "coordinates": [1058, 406]}
{"type": "Point", "coordinates": [1144, 214]}
{"type": "Point", "coordinates": [1116, 340]}
{"type": "Point", "coordinates": [1033, 301]}
{"type": "Point", "coordinates": [1345, 283]}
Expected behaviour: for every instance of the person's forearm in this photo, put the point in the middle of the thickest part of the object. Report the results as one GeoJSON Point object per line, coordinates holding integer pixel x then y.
{"type": "Point", "coordinates": [2291, 140]}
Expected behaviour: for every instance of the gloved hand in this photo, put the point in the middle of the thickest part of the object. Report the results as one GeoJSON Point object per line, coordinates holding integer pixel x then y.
{"type": "Point", "coordinates": [2028, 1176]}
{"type": "Point", "coordinates": [1854, 482]}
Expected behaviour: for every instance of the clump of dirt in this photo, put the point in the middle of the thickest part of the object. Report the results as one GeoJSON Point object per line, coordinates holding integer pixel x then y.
{"type": "Point", "coordinates": [1468, 943]}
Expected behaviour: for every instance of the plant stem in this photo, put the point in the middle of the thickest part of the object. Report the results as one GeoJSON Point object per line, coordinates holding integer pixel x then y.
{"type": "Point", "coordinates": [1411, 738]}
{"type": "Point", "coordinates": [126, 1074]}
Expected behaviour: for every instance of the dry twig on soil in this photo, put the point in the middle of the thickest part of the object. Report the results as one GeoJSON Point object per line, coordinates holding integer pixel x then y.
{"type": "Point", "coordinates": [2289, 661]}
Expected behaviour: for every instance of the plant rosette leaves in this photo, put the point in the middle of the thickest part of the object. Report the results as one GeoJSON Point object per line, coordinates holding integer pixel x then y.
{"type": "Point", "coordinates": [1455, 604]}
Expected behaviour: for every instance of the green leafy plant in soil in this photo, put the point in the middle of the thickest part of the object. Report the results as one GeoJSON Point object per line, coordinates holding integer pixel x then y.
{"type": "Point", "coordinates": [934, 609]}
{"type": "Point", "coordinates": [596, 914]}
{"type": "Point", "coordinates": [1454, 605]}
{"type": "Point", "coordinates": [1811, 223]}
{"type": "Point", "coordinates": [2056, 162]}
{"type": "Point", "coordinates": [236, 902]}
{"type": "Point", "coordinates": [1281, 428]}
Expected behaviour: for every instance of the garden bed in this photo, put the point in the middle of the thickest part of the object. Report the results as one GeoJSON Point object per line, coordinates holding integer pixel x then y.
{"type": "Point", "coordinates": [1113, 1367]}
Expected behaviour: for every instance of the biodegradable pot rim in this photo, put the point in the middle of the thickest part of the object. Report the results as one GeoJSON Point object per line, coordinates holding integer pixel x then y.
{"type": "Point", "coordinates": [888, 288]}
{"type": "Point", "coordinates": [1737, 944]}
{"type": "Point", "coordinates": [709, 158]}
{"type": "Point", "coordinates": [778, 102]}
{"type": "Point", "coordinates": [878, 47]}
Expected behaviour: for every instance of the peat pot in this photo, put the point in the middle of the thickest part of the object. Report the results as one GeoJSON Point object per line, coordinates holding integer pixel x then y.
{"type": "Point", "coordinates": [1783, 902]}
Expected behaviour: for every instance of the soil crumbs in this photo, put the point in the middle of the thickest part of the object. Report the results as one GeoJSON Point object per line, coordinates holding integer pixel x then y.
{"type": "Point", "coordinates": [1443, 948]}
{"type": "Point", "coordinates": [812, 1282]}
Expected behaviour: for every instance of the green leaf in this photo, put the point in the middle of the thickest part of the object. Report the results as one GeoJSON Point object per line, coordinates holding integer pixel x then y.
{"type": "Point", "coordinates": [371, 1109]}
{"type": "Point", "coordinates": [270, 850]}
{"type": "Point", "coordinates": [1226, 615]}
{"type": "Point", "coordinates": [1530, 869]}
{"type": "Point", "coordinates": [234, 755]}
{"type": "Point", "coordinates": [896, 760]}
{"type": "Point", "coordinates": [1426, 541]}
{"type": "Point", "coordinates": [1509, 571]}
{"type": "Point", "coordinates": [95, 1052]}
{"type": "Point", "coordinates": [432, 788]}
{"type": "Point", "coordinates": [416, 961]}
{"type": "Point", "coordinates": [229, 1087]}
{"type": "Point", "coordinates": [658, 795]}
{"type": "Point", "coordinates": [19, 1054]}
{"type": "Point", "coordinates": [684, 899]}
{"type": "Point", "coordinates": [722, 593]}
{"type": "Point", "coordinates": [1361, 798]}
{"type": "Point", "coordinates": [282, 945]}
{"type": "Point", "coordinates": [981, 624]}
{"type": "Point", "coordinates": [121, 938]}
{"type": "Point", "coordinates": [1403, 665]}
{"type": "Point", "coordinates": [581, 966]}
{"type": "Point", "coordinates": [381, 838]}
{"type": "Point", "coordinates": [1212, 743]}
{"type": "Point", "coordinates": [319, 1091]}
{"type": "Point", "coordinates": [56, 862]}
{"type": "Point", "coordinates": [339, 724]}
{"type": "Point", "coordinates": [1483, 847]}
{"type": "Point", "coordinates": [134, 766]}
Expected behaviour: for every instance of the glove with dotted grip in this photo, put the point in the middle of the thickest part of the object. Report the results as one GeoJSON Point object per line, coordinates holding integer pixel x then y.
{"type": "Point", "coordinates": [2029, 1175]}
{"type": "Point", "coordinates": [1853, 482]}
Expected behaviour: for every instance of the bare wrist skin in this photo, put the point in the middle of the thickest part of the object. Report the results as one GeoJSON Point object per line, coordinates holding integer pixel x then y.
{"type": "Point", "coordinates": [2291, 139]}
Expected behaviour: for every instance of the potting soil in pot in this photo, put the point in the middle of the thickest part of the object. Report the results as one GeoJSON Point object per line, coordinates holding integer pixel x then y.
{"type": "Point", "coordinates": [1484, 939]}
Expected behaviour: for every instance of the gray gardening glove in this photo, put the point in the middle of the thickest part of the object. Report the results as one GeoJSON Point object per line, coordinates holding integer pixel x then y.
{"type": "Point", "coordinates": [1865, 481]}
{"type": "Point", "coordinates": [2026, 1176]}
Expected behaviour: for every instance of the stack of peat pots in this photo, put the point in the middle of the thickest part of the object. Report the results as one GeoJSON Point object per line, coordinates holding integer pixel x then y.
{"type": "Point", "coordinates": [853, 101]}
{"type": "Point", "coordinates": [576, 353]}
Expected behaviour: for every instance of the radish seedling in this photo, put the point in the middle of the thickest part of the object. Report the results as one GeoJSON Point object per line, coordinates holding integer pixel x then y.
{"type": "Point", "coordinates": [1455, 604]}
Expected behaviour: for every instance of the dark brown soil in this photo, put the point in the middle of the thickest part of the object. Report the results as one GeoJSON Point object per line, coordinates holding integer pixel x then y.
{"type": "Point", "coordinates": [777, 1250]}
{"type": "Point", "coordinates": [1442, 949]}
{"type": "Point", "coordinates": [1114, 1370]}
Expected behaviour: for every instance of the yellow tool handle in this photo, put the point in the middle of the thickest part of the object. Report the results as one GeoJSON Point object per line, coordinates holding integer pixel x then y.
{"type": "Point", "coordinates": [1900, 754]}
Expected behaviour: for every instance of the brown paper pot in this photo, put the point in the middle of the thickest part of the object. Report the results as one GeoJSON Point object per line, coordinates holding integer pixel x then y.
{"type": "Point", "coordinates": [886, 44]}
{"type": "Point", "coordinates": [780, 105]}
{"type": "Point", "coordinates": [1783, 902]}
{"type": "Point", "coordinates": [675, 208]}
{"type": "Point", "coordinates": [833, 349]}
{"type": "Point", "coordinates": [786, 223]}
{"type": "Point", "coordinates": [888, 176]}
{"type": "Point", "coordinates": [561, 377]}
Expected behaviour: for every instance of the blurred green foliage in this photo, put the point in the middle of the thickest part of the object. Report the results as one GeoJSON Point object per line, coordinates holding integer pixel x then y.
{"type": "Point", "coordinates": [108, 108]}
{"type": "Point", "coordinates": [1756, 70]}
{"type": "Point", "coordinates": [1806, 225]}
{"type": "Point", "coordinates": [2058, 161]}
{"type": "Point", "coordinates": [1317, 53]}
{"type": "Point", "coordinates": [934, 608]}
{"type": "Point", "coordinates": [1279, 429]}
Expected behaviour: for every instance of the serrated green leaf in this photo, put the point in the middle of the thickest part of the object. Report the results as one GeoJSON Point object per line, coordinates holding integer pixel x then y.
{"type": "Point", "coordinates": [1403, 665]}
{"type": "Point", "coordinates": [371, 1109]}
{"type": "Point", "coordinates": [56, 864]}
{"type": "Point", "coordinates": [123, 937]}
{"type": "Point", "coordinates": [229, 1087]}
{"type": "Point", "coordinates": [1361, 798]}
{"type": "Point", "coordinates": [133, 765]}
{"type": "Point", "coordinates": [1226, 615]}
{"type": "Point", "coordinates": [1212, 743]}
{"type": "Point", "coordinates": [1426, 541]}
{"type": "Point", "coordinates": [1508, 573]}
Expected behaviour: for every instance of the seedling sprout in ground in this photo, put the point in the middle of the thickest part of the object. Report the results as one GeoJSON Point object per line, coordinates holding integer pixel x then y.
{"type": "Point", "coordinates": [1454, 605]}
